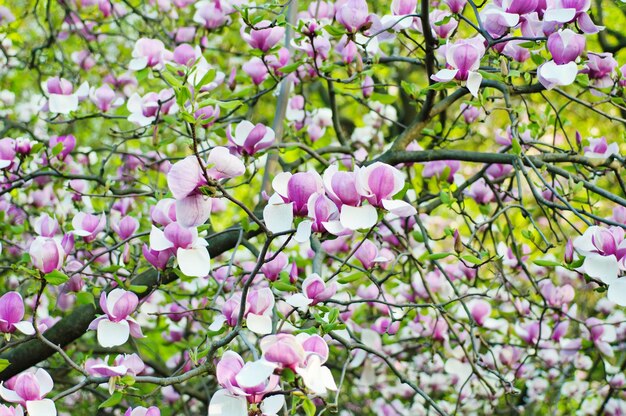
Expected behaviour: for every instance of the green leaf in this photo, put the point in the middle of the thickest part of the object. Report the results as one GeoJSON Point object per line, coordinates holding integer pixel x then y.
{"type": "Point", "coordinates": [207, 78]}
{"type": "Point", "coordinates": [287, 69]}
{"type": "Point", "coordinates": [4, 364]}
{"type": "Point", "coordinates": [350, 278]}
{"type": "Point", "coordinates": [143, 74]}
{"type": "Point", "coordinates": [517, 149]}
{"type": "Point", "coordinates": [334, 31]}
{"type": "Point", "coordinates": [56, 278]}
{"type": "Point", "coordinates": [171, 79]}
{"type": "Point", "coordinates": [471, 259]}
{"type": "Point", "coordinates": [85, 298]}
{"type": "Point", "coordinates": [438, 256]}
{"type": "Point", "coordinates": [547, 263]}
{"type": "Point", "coordinates": [57, 149]}
{"type": "Point", "coordinates": [114, 400]}
{"type": "Point", "coordinates": [138, 288]}
{"type": "Point", "coordinates": [308, 406]}
{"type": "Point", "coordinates": [284, 287]}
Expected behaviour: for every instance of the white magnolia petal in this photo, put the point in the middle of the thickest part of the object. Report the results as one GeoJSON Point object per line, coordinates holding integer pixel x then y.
{"type": "Point", "coordinates": [280, 182]}
{"type": "Point", "coordinates": [259, 324]}
{"type": "Point", "coordinates": [158, 241]}
{"type": "Point", "coordinates": [254, 373]}
{"type": "Point", "coordinates": [356, 218]}
{"type": "Point", "coordinates": [399, 208]}
{"type": "Point", "coordinates": [617, 292]}
{"type": "Point", "coordinates": [9, 395]}
{"type": "Point", "coordinates": [303, 232]}
{"type": "Point", "coordinates": [43, 407]}
{"type": "Point", "coordinates": [445, 75]}
{"type": "Point", "coordinates": [473, 83]}
{"type": "Point", "coordinates": [298, 300]}
{"type": "Point", "coordinates": [272, 405]}
{"type": "Point", "coordinates": [193, 210]}
{"type": "Point", "coordinates": [195, 262]}
{"type": "Point", "coordinates": [605, 268]}
{"type": "Point", "coordinates": [44, 380]}
{"type": "Point", "coordinates": [217, 323]}
{"type": "Point", "coordinates": [223, 404]}
{"type": "Point", "coordinates": [112, 334]}
{"type": "Point", "coordinates": [137, 64]}
{"type": "Point", "coordinates": [278, 218]}
{"type": "Point", "coordinates": [25, 327]}
{"type": "Point", "coordinates": [62, 104]}
{"type": "Point", "coordinates": [559, 15]}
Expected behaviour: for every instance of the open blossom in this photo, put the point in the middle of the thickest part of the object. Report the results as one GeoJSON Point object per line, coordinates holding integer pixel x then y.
{"type": "Point", "coordinates": [105, 98]}
{"type": "Point", "coordinates": [248, 139]}
{"type": "Point", "coordinates": [211, 14]}
{"type": "Point", "coordinates": [314, 290]}
{"type": "Point", "coordinates": [122, 365]}
{"type": "Point", "coordinates": [61, 96]}
{"type": "Point", "coordinates": [604, 250]}
{"type": "Point", "coordinates": [8, 151]}
{"type": "Point", "coordinates": [565, 11]}
{"type": "Point", "coordinates": [186, 179]}
{"type": "Point", "coordinates": [190, 250]}
{"type": "Point", "coordinates": [142, 411]}
{"type": "Point", "coordinates": [148, 53]}
{"type": "Point", "coordinates": [88, 225]}
{"type": "Point", "coordinates": [29, 390]}
{"type": "Point", "coordinates": [463, 60]}
{"type": "Point", "coordinates": [600, 68]}
{"type": "Point", "coordinates": [144, 110]}
{"type": "Point", "coordinates": [352, 14]}
{"type": "Point", "coordinates": [116, 325]}
{"type": "Point", "coordinates": [599, 148]}
{"type": "Point", "coordinates": [12, 313]}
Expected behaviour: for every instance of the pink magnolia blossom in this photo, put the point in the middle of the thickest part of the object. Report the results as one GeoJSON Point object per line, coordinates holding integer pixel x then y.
{"type": "Point", "coordinates": [88, 225]}
{"type": "Point", "coordinates": [263, 36]}
{"type": "Point", "coordinates": [8, 151]}
{"type": "Point", "coordinates": [190, 250]}
{"type": "Point", "coordinates": [148, 53]}
{"type": "Point", "coordinates": [352, 14]}
{"type": "Point", "coordinates": [105, 98]}
{"type": "Point", "coordinates": [68, 142]}
{"type": "Point", "coordinates": [12, 313]}
{"type": "Point", "coordinates": [599, 148]}
{"type": "Point", "coordinates": [116, 325]}
{"type": "Point", "coordinates": [46, 254]}
{"type": "Point", "coordinates": [142, 411]}
{"type": "Point", "coordinates": [463, 59]}
{"type": "Point", "coordinates": [248, 139]}
{"type": "Point", "coordinates": [314, 291]}
{"type": "Point", "coordinates": [29, 390]}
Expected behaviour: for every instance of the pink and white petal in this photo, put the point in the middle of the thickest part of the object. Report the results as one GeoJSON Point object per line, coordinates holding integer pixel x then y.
{"type": "Point", "coordinates": [43, 407]}
{"type": "Point", "coordinates": [298, 300]}
{"type": "Point", "coordinates": [335, 228]}
{"type": "Point", "coordinates": [617, 292]}
{"type": "Point", "coordinates": [254, 373]}
{"type": "Point", "coordinates": [62, 104]}
{"type": "Point", "coordinates": [44, 380]}
{"type": "Point", "coordinates": [158, 241]}
{"type": "Point", "coordinates": [327, 378]}
{"type": "Point", "coordinates": [112, 334]}
{"type": "Point", "coordinates": [303, 232]}
{"type": "Point", "coordinates": [586, 24]}
{"type": "Point", "coordinates": [557, 74]}
{"type": "Point", "coordinates": [445, 75]}
{"type": "Point", "coordinates": [195, 262]}
{"type": "Point", "coordinates": [259, 324]}
{"type": "Point", "coordinates": [357, 218]}
{"type": "Point", "coordinates": [280, 182]}
{"type": "Point", "coordinates": [399, 208]}
{"type": "Point", "coordinates": [9, 395]}
{"type": "Point", "coordinates": [25, 327]}
{"type": "Point", "coordinates": [473, 83]}
{"type": "Point", "coordinates": [270, 406]}
{"type": "Point", "coordinates": [193, 210]}
{"type": "Point", "coordinates": [183, 177]}
{"type": "Point", "coordinates": [224, 404]}
{"type": "Point", "coordinates": [5, 163]}
{"type": "Point", "coordinates": [242, 131]}
{"type": "Point", "coordinates": [278, 218]}
{"type": "Point", "coordinates": [137, 64]}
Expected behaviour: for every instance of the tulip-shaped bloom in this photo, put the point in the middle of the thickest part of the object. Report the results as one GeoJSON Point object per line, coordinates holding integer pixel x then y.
{"type": "Point", "coordinates": [456, 6]}
{"type": "Point", "coordinates": [142, 411]}
{"type": "Point", "coordinates": [61, 96]}
{"type": "Point", "coordinates": [263, 37]}
{"type": "Point", "coordinates": [599, 148]}
{"type": "Point", "coordinates": [8, 151]}
{"type": "Point", "coordinates": [438, 167]}
{"type": "Point", "coordinates": [259, 309]}
{"type": "Point", "coordinates": [158, 259]}
{"type": "Point", "coordinates": [442, 23]}
{"type": "Point", "coordinates": [284, 350]}
{"type": "Point", "coordinates": [378, 183]}
{"type": "Point", "coordinates": [210, 14]}
{"type": "Point", "coordinates": [463, 60]}
{"type": "Point", "coordinates": [12, 313]}
{"type": "Point", "coordinates": [565, 11]}
{"type": "Point", "coordinates": [88, 225]}
{"type": "Point", "coordinates": [116, 325]}
{"type": "Point", "coordinates": [11, 410]}
{"type": "Point", "coordinates": [498, 21]}
{"type": "Point", "coordinates": [164, 212]}
{"type": "Point", "coordinates": [600, 68]}
{"type": "Point", "coordinates": [144, 110]}
{"type": "Point", "coordinates": [105, 98]}
{"type": "Point", "coordinates": [244, 383]}
{"type": "Point", "coordinates": [321, 211]}
{"type": "Point", "coordinates": [249, 139]}
{"type": "Point", "coordinates": [481, 192]}
{"type": "Point", "coordinates": [208, 115]}
{"type": "Point", "coordinates": [46, 254]}
{"type": "Point", "coordinates": [314, 291]}
{"type": "Point", "coordinates": [604, 251]}
{"type": "Point", "coordinates": [67, 142]}
{"type": "Point", "coordinates": [566, 46]}
{"type": "Point", "coordinates": [122, 365]}
{"type": "Point", "coordinates": [29, 390]}
{"type": "Point", "coordinates": [272, 268]}
{"type": "Point", "coordinates": [125, 227]}
{"type": "Point", "coordinates": [353, 15]}
{"type": "Point", "coordinates": [480, 311]}
{"type": "Point", "coordinates": [369, 255]}
{"type": "Point", "coordinates": [291, 198]}
{"type": "Point", "coordinates": [190, 250]}
{"type": "Point", "coordinates": [556, 296]}
{"type": "Point", "coordinates": [256, 69]}
{"type": "Point", "coordinates": [185, 54]}
{"type": "Point", "coordinates": [186, 179]}
{"type": "Point", "coordinates": [46, 226]}
{"type": "Point", "coordinates": [147, 53]}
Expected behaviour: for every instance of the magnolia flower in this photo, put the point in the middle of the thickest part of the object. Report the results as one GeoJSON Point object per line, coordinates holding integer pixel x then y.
{"type": "Point", "coordinates": [12, 313]}
{"type": "Point", "coordinates": [210, 15]}
{"type": "Point", "coordinates": [147, 53]}
{"type": "Point", "coordinates": [29, 390]}
{"type": "Point", "coordinates": [122, 365]}
{"type": "Point", "coordinates": [263, 36]}
{"type": "Point", "coordinates": [45, 226]}
{"type": "Point", "coordinates": [88, 225]}
{"type": "Point", "coordinates": [105, 98]}
{"type": "Point", "coordinates": [352, 14]}
{"type": "Point", "coordinates": [8, 151]}
{"type": "Point", "coordinates": [190, 250]}
{"type": "Point", "coordinates": [249, 139]}
{"type": "Point", "coordinates": [46, 254]}
{"type": "Point", "coordinates": [11, 410]}
{"type": "Point", "coordinates": [144, 110]}
{"type": "Point", "coordinates": [601, 334]}
{"type": "Point", "coordinates": [314, 290]}
{"type": "Point", "coordinates": [142, 411]}
{"type": "Point", "coordinates": [116, 325]}
{"type": "Point", "coordinates": [463, 59]}
{"type": "Point", "coordinates": [61, 98]}
{"type": "Point", "coordinates": [565, 11]}
{"type": "Point", "coordinates": [599, 148]}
